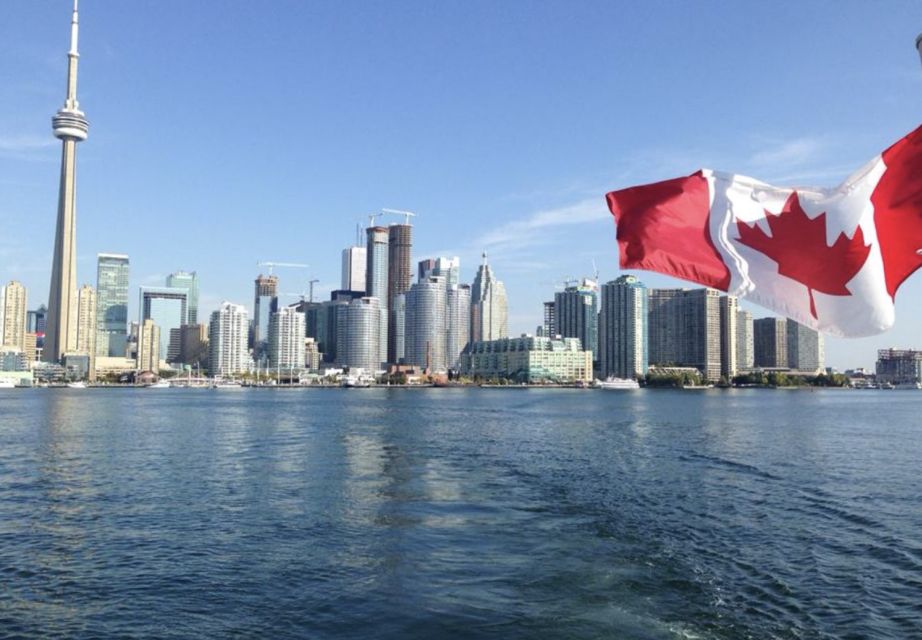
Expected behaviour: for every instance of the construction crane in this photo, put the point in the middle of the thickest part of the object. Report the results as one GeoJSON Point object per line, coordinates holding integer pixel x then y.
{"type": "Point", "coordinates": [309, 294]}
{"type": "Point", "coordinates": [371, 218]}
{"type": "Point", "coordinates": [397, 212]}
{"type": "Point", "coordinates": [272, 265]}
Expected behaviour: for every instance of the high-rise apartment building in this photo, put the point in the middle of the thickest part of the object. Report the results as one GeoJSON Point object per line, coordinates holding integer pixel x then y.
{"type": "Point", "coordinates": [35, 319]}
{"type": "Point", "coordinates": [14, 316]}
{"type": "Point", "coordinates": [112, 270]}
{"type": "Point", "coordinates": [265, 303]}
{"type": "Point", "coordinates": [899, 367]}
{"type": "Point", "coordinates": [399, 277]}
{"type": "Point", "coordinates": [398, 324]}
{"type": "Point", "coordinates": [193, 344]}
{"type": "Point", "coordinates": [359, 336]}
{"type": "Point", "coordinates": [86, 326]}
{"type": "Point", "coordinates": [684, 329]}
{"type": "Point", "coordinates": [623, 339]}
{"type": "Point", "coordinates": [189, 282]}
{"type": "Point", "coordinates": [168, 309]}
{"type": "Point", "coordinates": [3, 311]}
{"type": "Point", "coordinates": [448, 268]}
{"type": "Point", "coordinates": [70, 127]}
{"type": "Point", "coordinates": [489, 312]}
{"type": "Point", "coordinates": [149, 354]}
{"type": "Point", "coordinates": [576, 314]}
{"type": "Point", "coordinates": [286, 340]}
{"type": "Point", "coordinates": [805, 347]}
{"type": "Point", "coordinates": [745, 347]}
{"type": "Point", "coordinates": [227, 340]}
{"type": "Point", "coordinates": [376, 278]}
{"type": "Point", "coordinates": [376, 265]}
{"type": "Point", "coordinates": [549, 327]}
{"type": "Point", "coordinates": [770, 342]}
{"type": "Point", "coordinates": [729, 336]}
{"type": "Point", "coordinates": [425, 325]}
{"type": "Point", "coordinates": [458, 320]}
{"type": "Point", "coordinates": [353, 269]}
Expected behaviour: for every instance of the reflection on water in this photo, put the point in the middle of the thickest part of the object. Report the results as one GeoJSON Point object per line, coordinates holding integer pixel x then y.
{"type": "Point", "coordinates": [460, 513]}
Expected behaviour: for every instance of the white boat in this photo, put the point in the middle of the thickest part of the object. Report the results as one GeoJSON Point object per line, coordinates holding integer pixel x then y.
{"type": "Point", "coordinates": [617, 383]}
{"type": "Point", "coordinates": [163, 384]}
{"type": "Point", "coordinates": [356, 382]}
{"type": "Point", "coordinates": [76, 385]}
{"type": "Point", "coordinates": [7, 384]}
{"type": "Point", "coordinates": [226, 384]}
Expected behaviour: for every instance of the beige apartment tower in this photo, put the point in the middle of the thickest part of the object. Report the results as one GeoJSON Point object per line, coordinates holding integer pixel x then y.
{"type": "Point", "coordinates": [86, 326]}
{"type": "Point", "coordinates": [149, 347]}
{"type": "Point", "coordinates": [14, 314]}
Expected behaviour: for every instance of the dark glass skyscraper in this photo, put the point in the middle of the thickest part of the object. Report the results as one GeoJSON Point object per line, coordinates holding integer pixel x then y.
{"type": "Point", "coordinates": [399, 276]}
{"type": "Point", "coordinates": [111, 304]}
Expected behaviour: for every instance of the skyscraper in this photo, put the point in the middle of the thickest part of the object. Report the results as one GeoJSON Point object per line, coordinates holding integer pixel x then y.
{"type": "Point", "coordinates": [35, 319]}
{"type": "Point", "coordinates": [376, 270]}
{"type": "Point", "coordinates": [448, 268]}
{"type": "Point", "coordinates": [70, 126]}
{"type": "Point", "coordinates": [729, 335]}
{"type": "Point", "coordinates": [14, 316]}
{"type": "Point", "coordinates": [399, 276]}
{"type": "Point", "coordinates": [353, 269]}
{"type": "Point", "coordinates": [550, 320]}
{"type": "Point", "coordinates": [193, 344]}
{"type": "Point", "coordinates": [576, 314]}
{"type": "Point", "coordinates": [745, 355]}
{"type": "Point", "coordinates": [623, 339]}
{"type": "Point", "coordinates": [86, 326]}
{"type": "Point", "coordinates": [111, 304]}
{"type": "Point", "coordinates": [425, 325]}
{"type": "Point", "coordinates": [458, 320]}
{"type": "Point", "coordinates": [376, 278]}
{"type": "Point", "coordinates": [684, 329]}
{"type": "Point", "coordinates": [805, 348]}
{"type": "Point", "coordinates": [265, 303]}
{"type": "Point", "coordinates": [168, 309]}
{"type": "Point", "coordinates": [770, 341]}
{"type": "Point", "coordinates": [489, 313]}
{"type": "Point", "coordinates": [359, 336]}
{"type": "Point", "coordinates": [286, 339]}
{"type": "Point", "coordinates": [189, 282]}
{"type": "Point", "coordinates": [149, 346]}
{"type": "Point", "coordinates": [3, 311]}
{"type": "Point", "coordinates": [227, 340]}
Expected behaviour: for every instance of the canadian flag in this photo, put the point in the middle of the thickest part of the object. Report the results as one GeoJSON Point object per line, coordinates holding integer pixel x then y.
{"type": "Point", "coordinates": [831, 259]}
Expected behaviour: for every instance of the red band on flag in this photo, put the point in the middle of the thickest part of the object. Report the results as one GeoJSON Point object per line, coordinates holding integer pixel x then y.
{"type": "Point", "coordinates": [664, 227]}
{"type": "Point", "coordinates": [897, 201]}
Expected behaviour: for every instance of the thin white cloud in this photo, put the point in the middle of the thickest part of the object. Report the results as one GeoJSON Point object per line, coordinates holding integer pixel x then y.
{"type": "Point", "coordinates": [528, 231]}
{"type": "Point", "coordinates": [797, 151]}
{"type": "Point", "coordinates": [25, 143]}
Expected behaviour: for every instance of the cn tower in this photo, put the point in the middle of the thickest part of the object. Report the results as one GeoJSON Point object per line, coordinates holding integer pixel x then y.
{"type": "Point", "coordinates": [70, 126]}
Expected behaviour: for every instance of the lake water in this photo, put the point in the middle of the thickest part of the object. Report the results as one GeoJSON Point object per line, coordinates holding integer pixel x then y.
{"type": "Point", "coordinates": [466, 513]}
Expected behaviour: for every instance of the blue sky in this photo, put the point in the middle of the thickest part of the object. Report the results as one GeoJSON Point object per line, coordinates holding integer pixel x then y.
{"type": "Point", "coordinates": [228, 132]}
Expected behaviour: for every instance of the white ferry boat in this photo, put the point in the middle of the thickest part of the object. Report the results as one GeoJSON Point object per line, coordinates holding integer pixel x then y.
{"type": "Point", "coordinates": [163, 384]}
{"type": "Point", "coordinates": [617, 384]}
{"type": "Point", "coordinates": [226, 384]}
{"type": "Point", "coordinates": [356, 382]}
{"type": "Point", "coordinates": [76, 385]}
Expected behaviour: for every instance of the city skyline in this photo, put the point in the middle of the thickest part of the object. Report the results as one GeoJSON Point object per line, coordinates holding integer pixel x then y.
{"type": "Point", "coordinates": [540, 220]}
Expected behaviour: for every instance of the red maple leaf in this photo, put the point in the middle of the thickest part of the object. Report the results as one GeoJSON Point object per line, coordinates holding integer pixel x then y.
{"type": "Point", "coordinates": [798, 245]}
